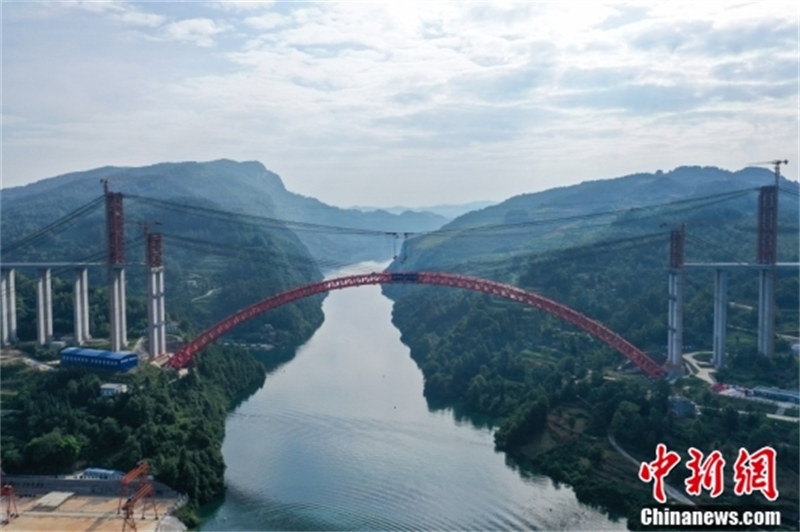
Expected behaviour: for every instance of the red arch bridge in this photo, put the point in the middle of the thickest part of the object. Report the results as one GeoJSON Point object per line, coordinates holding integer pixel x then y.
{"type": "Point", "coordinates": [599, 331]}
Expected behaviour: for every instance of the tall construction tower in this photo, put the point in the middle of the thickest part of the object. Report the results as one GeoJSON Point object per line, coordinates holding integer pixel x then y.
{"type": "Point", "coordinates": [675, 311]}
{"type": "Point", "coordinates": [156, 318]}
{"type": "Point", "coordinates": [115, 238]}
{"type": "Point", "coordinates": [767, 256]}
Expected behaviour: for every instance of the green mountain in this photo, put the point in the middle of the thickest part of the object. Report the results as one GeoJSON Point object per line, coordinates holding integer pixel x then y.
{"type": "Point", "coordinates": [226, 241]}
{"type": "Point", "coordinates": [553, 392]}
{"type": "Point", "coordinates": [708, 199]}
{"type": "Point", "coordinates": [332, 235]}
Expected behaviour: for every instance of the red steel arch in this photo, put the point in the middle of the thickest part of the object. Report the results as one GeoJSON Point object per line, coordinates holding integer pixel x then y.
{"type": "Point", "coordinates": [599, 331]}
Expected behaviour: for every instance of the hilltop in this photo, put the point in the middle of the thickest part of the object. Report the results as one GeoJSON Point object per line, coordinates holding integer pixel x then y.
{"type": "Point", "coordinates": [245, 187]}
{"type": "Point", "coordinates": [593, 210]}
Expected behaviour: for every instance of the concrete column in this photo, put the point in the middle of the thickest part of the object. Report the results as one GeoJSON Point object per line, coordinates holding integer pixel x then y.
{"type": "Point", "coordinates": [44, 307]}
{"type": "Point", "coordinates": [116, 301]}
{"type": "Point", "coordinates": [766, 311]}
{"type": "Point", "coordinates": [87, 334]}
{"type": "Point", "coordinates": [4, 328]}
{"type": "Point", "coordinates": [675, 325]}
{"type": "Point", "coordinates": [720, 317]}
{"type": "Point", "coordinates": [81, 304]}
{"type": "Point", "coordinates": [77, 303]}
{"type": "Point", "coordinates": [156, 320]}
{"type": "Point", "coordinates": [152, 313]}
{"type": "Point", "coordinates": [123, 309]}
{"type": "Point", "coordinates": [162, 317]}
{"type": "Point", "coordinates": [8, 301]}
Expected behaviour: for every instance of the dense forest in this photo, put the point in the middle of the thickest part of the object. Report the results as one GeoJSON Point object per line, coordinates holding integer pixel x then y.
{"type": "Point", "coordinates": [554, 394]}
{"type": "Point", "coordinates": [56, 420]}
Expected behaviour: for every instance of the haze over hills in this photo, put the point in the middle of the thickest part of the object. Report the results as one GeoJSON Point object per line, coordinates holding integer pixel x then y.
{"type": "Point", "coordinates": [590, 211]}
{"type": "Point", "coordinates": [447, 210]}
{"type": "Point", "coordinates": [245, 187]}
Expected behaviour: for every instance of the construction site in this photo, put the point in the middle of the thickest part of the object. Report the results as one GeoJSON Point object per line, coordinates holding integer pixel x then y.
{"type": "Point", "coordinates": [89, 501]}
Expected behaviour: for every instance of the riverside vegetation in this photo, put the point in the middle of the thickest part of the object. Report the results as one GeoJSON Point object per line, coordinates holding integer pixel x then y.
{"type": "Point", "coordinates": [553, 393]}
{"type": "Point", "coordinates": [57, 420]}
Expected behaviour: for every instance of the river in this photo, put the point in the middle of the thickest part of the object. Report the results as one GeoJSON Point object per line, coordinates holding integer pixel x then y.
{"type": "Point", "coordinates": [341, 438]}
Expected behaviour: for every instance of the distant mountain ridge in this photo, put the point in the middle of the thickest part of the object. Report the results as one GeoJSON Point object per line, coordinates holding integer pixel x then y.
{"type": "Point", "coordinates": [447, 210]}
{"type": "Point", "coordinates": [573, 215]}
{"type": "Point", "coordinates": [246, 187]}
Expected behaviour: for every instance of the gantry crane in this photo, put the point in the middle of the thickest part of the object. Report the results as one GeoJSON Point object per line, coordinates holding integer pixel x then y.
{"type": "Point", "coordinates": [144, 489]}
{"type": "Point", "coordinates": [7, 491]}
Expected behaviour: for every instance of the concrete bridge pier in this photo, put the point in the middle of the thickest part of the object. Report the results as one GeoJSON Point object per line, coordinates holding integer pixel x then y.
{"type": "Point", "coordinates": [156, 319]}
{"type": "Point", "coordinates": [766, 311]}
{"type": "Point", "coordinates": [81, 305]}
{"type": "Point", "coordinates": [675, 311]}
{"type": "Point", "coordinates": [116, 303]}
{"type": "Point", "coordinates": [675, 325]}
{"type": "Point", "coordinates": [8, 307]}
{"type": "Point", "coordinates": [44, 307]}
{"type": "Point", "coordinates": [720, 317]}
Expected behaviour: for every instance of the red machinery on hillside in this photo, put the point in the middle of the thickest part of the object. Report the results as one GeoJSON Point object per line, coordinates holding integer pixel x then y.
{"type": "Point", "coordinates": [144, 488]}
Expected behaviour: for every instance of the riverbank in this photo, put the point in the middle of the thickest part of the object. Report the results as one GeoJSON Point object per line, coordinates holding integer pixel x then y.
{"type": "Point", "coordinates": [343, 438]}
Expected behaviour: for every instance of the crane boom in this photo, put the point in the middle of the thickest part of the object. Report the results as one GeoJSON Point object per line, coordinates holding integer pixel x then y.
{"type": "Point", "coordinates": [777, 165]}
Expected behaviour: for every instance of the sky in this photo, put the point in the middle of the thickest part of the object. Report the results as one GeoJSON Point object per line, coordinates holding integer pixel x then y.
{"type": "Point", "coordinates": [382, 104]}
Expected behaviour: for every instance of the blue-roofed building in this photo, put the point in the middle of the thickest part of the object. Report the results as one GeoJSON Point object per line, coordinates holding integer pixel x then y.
{"type": "Point", "coordinates": [95, 358]}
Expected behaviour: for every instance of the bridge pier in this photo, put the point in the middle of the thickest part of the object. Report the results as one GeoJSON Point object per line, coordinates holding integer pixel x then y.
{"type": "Point", "coordinates": [44, 307]}
{"type": "Point", "coordinates": [156, 316]}
{"type": "Point", "coordinates": [675, 310]}
{"type": "Point", "coordinates": [8, 307]}
{"type": "Point", "coordinates": [720, 317]}
{"type": "Point", "coordinates": [675, 325]}
{"type": "Point", "coordinates": [767, 254]}
{"type": "Point", "coordinates": [81, 305]}
{"type": "Point", "coordinates": [766, 311]}
{"type": "Point", "coordinates": [116, 302]}
{"type": "Point", "coordinates": [156, 320]}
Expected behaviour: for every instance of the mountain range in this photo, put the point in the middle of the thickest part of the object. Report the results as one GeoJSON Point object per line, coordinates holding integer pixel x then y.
{"type": "Point", "coordinates": [332, 235]}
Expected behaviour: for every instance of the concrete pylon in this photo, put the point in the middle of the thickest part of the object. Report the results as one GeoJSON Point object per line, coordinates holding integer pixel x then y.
{"type": "Point", "coordinates": [720, 317]}
{"type": "Point", "coordinates": [118, 322]}
{"type": "Point", "coordinates": [675, 310]}
{"type": "Point", "coordinates": [44, 307]}
{"type": "Point", "coordinates": [8, 307]}
{"type": "Point", "coordinates": [81, 305]}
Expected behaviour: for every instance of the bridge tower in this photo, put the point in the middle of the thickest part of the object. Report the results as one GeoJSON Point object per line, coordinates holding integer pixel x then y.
{"type": "Point", "coordinates": [675, 312]}
{"type": "Point", "coordinates": [156, 318]}
{"type": "Point", "coordinates": [115, 233]}
{"type": "Point", "coordinates": [766, 257]}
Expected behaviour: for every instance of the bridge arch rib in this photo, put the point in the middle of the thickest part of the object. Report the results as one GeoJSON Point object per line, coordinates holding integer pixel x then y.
{"type": "Point", "coordinates": [594, 328]}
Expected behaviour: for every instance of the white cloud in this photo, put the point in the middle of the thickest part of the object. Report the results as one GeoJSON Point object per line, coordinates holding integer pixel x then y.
{"type": "Point", "coordinates": [406, 95]}
{"type": "Point", "coordinates": [123, 12]}
{"type": "Point", "coordinates": [199, 31]}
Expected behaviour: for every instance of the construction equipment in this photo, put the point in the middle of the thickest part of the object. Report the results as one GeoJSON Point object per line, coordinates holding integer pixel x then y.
{"type": "Point", "coordinates": [7, 491]}
{"type": "Point", "coordinates": [777, 165]}
{"type": "Point", "coordinates": [144, 488]}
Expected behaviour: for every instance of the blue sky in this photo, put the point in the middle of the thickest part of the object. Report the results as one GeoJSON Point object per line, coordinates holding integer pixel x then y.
{"type": "Point", "coordinates": [400, 103]}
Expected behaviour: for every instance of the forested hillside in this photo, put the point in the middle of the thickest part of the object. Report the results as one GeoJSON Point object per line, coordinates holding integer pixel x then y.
{"type": "Point", "coordinates": [55, 420]}
{"type": "Point", "coordinates": [602, 248]}
{"type": "Point", "coordinates": [247, 188]}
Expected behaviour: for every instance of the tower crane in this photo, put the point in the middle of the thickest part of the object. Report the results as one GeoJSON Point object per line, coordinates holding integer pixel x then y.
{"type": "Point", "coordinates": [777, 165]}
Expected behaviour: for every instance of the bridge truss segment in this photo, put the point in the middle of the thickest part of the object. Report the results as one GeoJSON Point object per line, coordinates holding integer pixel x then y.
{"type": "Point", "coordinates": [651, 368]}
